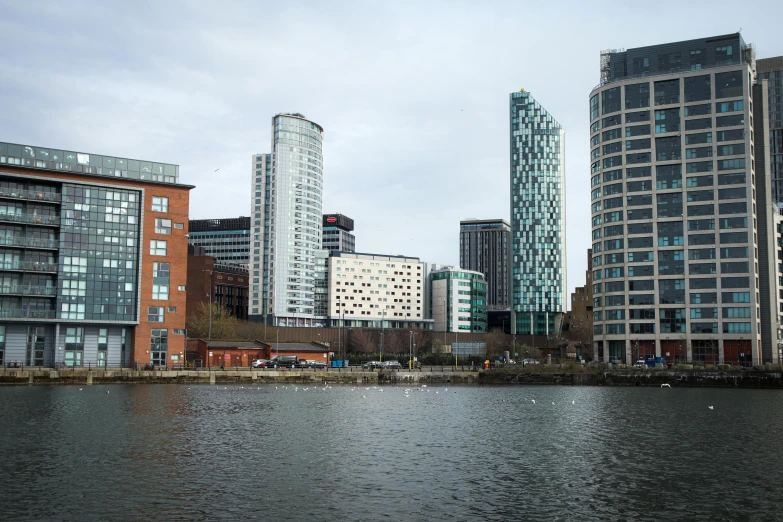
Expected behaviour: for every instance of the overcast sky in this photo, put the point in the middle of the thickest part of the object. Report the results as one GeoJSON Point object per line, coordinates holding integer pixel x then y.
{"type": "Point", "coordinates": [413, 96]}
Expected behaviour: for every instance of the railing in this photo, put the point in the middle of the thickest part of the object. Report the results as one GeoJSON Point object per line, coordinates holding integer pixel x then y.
{"type": "Point", "coordinates": [28, 290]}
{"type": "Point", "coordinates": [27, 242]}
{"type": "Point", "coordinates": [20, 313]}
{"type": "Point", "coordinates": [30, 194]}
{"type": "Point", "coordinates": [31, 218]}
{"type": "Point", "coordinates": [35, 266]}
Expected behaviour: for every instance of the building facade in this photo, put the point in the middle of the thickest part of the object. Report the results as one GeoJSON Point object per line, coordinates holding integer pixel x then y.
{"type": "Point", "coordinates": [459, 300]}
{"type": "Point", "coordinates": [538, 261]}
{"type": "Point", "coordinates": [376, 291]}
{"type": "Point", "coordinates": [93, 259]}
{"type": "Point", "coordinates": [578, 327]}
{"type": "Point", "coordinates": [287, 201]}
{"type": "Point", "coordinates": [219, 283]}
{"type": "Point", "coordinates": [771, 69]}
{"type": "Point", "coordinates": [484, 247]}
{"type": "Point", "coordinates": [337, 233]}
{"type": "Point", "coordinates": [674, 209]}
{"type": "Point", "coordinates": [227, 240]}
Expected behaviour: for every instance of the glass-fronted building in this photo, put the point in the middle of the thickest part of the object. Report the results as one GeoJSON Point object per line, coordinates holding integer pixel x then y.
{"type": "Point", "coordinates": [287, 201]}
{"type": "Point", "coordinates": [675, 214]}
{"type": "Point", "coordinates": [91, 253]}
{"type": "Point", "coordinates": [771, 69]}
{"type": "Point", "coordinates": [227, 240]}
{"type": "Point", "coordinates": [484, 247]}
{"type": "Point", "coordinates": [459, 300]}
{"type": "Point", "coordinates": [337, 235]}
{"type": "Point", "coordinates": [538, 262]}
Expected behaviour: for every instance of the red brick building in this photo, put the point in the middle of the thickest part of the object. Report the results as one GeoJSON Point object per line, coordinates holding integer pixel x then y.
{"type": "Point", "coordinates": [228, 284]}
{"type": "Point", "coordinates": [239, 354]}
{"type": "Point", "coordinates": [93, 257]}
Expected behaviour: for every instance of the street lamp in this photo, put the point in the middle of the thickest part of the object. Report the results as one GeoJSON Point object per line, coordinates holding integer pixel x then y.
{"type": "Point", "coordinates": [410, 350]}
{"type": "Point", "coordinates": [383, 326]}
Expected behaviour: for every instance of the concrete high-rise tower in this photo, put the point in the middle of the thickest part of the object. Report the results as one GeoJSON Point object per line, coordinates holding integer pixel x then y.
{"type": "Point", "coordinates": [287, 209]}
{"type": "Point", "coordinates": [680, 211]}
{"type": "Point", "coordinates": [538, 261]}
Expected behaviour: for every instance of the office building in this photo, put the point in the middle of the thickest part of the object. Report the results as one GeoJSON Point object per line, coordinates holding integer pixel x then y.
{"type": "Point", "coordinates": [673, 129]}
{"type": "Point", "coordinates": [287, 202]}
{"type": "Point", "coordinates": [337, 233]}
{"type": "Point", "coordinates": [538, 233]}
{"type": "Point", "coordinates": [484, 247]}
{"type": "Point", "coordinates": [376, 291]}
{"type": "Point", "coordinates": [771, 69]}
{"type": "Point", "coordinates": [219, 283]}
{"type": "Point", "coordinates": [227, 240]}
{"type": "Point", "coordinates": [93, 259]}
{"type": "Point", "coordinates": [459, 300]}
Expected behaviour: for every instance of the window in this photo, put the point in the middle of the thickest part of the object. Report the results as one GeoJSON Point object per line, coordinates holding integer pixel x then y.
{"type": "Point", "coordinates": [697, 88]}
{"type": "Point", "coordinates": [179, 226]}
{"type": "Point", "coordinates": [178, 332]}
{"type": "Point", "coordinates": [160, 204]}
{"type": "Point", "coordinates": [162, 226]}
{"type": "Point", "coordinates": [181, 288]}
{"type": "Point", "coordinates": [157, 247]}
{"type": "Point", "coordinates": [74, 338]}
{"type": "Point", "coordinates": [728, 84]}
{"type": "Point", "coordinates": [667, 120]}
{"type": "Point", "coordinates": [155, 314]}
{"type": "Point", "coordinates": [172, 309]}
{"type": "Point", "coordinates": [2, 345]}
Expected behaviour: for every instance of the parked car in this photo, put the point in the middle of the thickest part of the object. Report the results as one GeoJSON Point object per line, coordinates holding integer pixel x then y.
{"type": "Point", "coordinates": [371, 365]}
{"type": "Point", "coordinates": [283, 361]}
{"type": "Point", "coordinates": [640, 364]}
{"type": "Point", "coordinates": [259, 363]}
{"type": "Point", "coordinates": [392, 365]}
{"type": "Point", "coordinates": [316, 364]}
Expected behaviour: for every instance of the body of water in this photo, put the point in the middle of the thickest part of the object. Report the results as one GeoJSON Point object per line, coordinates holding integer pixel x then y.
{"type": "Point", "coordinates": [178, 452]}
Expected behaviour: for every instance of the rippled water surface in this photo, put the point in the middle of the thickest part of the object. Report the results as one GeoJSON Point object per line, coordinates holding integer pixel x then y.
{"type": "Point", "coordinates": [168, 452]}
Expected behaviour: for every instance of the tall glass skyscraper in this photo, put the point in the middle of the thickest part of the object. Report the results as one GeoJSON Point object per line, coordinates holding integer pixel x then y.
{"type": "Point", "coordinates": [538, 262]}
{"type": "Point", "coordinates": [287, 201]}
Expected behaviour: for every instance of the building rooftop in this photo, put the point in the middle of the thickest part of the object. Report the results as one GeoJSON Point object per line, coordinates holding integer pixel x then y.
{"type": "Point", "coordinates": [87, 163]}
{"type": "Point", "coordinates": [338, 253]}
{"type": "Point", "coordinates": [209, 225]}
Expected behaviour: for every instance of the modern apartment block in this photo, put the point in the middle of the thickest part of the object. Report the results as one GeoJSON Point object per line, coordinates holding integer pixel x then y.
{"type": "Point", "coordinates": [227, 240]}
{"type": "Point", "coordinates": [219, 283]}
{"type": "Point", "coordinates": [287, 202]}
{"type": "Point", "coordinates": [93, 259]}
{"type": "Point", "coordinates": [771, 69]}
{"type": "Point", "coordinates": [337, 233]}
{"type": "Point", "coordinates": [676, 250]}
{"type": "Point", "coordinates": [538, 233]}
{"type": "Point", "coordinates": [375, 291]}
{"type": "Point", "coordinates": [459, 300]}
{"type": "Point", "coordinates": [484, 247]}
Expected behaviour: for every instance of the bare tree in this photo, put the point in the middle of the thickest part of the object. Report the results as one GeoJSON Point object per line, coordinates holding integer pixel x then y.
{"type": "Point", "coordinates": [219, 322]}
{"type": "Point", "coordinates": [422, 341]}
{"type": "Point", "coordinates": [362, 341]}
{"type": "Point", "coordinates": [395, 340]}
{"type": "Point", "coordinates": [497, 341]}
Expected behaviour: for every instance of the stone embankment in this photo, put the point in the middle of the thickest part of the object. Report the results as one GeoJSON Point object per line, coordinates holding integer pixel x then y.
{"type": "Point", "coordinates": [445, 375]}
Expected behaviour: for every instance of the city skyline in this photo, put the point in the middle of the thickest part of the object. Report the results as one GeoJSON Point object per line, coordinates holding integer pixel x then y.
{"type": "Point", "coordinates": [194, 101]}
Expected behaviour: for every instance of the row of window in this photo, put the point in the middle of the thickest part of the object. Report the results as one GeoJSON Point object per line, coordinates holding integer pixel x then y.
{"type": "Point", "coordinates": [649, 328]}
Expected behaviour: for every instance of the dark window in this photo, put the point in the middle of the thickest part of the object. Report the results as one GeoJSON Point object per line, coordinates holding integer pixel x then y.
{"type": "Point", "coordinates": [731, 164]}
{"type": "Point", "coordinates": [639, 200]}
{"type": "Point", "coordinates": [695, 139]}
{"type": "Point", "coordinates": [640, 228]}
{"type": "Point", "coordinates": [736, 222]}
{"type": "Point", "coordinates": [704, 298]}
{"type": "Point", "coordinates": [732, 193]}
{"type": "Point", "coordinates": [615, 300]}
{"type": "Point", "coordinates": [671, 262]}
{"type": "Point", "coordinates": [699, 166]}
{"type": "Point", "coordinates": [640, 242]}
{"type": "Point", "coordinates": [698, 124]}
{"type": "Point", "coordinates": [638, 186]}
{"type": "Point", "coordinates": [613, 161]}
{"type": "Point", "coordinates": [701, 239]}
{"type": "Point", "coordinates": [614, 134]}
{"type": "Point", "coordinates": [638, 172]}
{"type": "Point", "coordinates": [698, 88]}
{"type": "Point", "coordinates": [668, 149]}
{"type": "Point", "coordinates": [641, 157]}
{"type": "Point", "coordinates": [730, 121]}
{"type": "Point", "coordinates": [671, 291]}
{"type": "Point", "coordinates": [641, 256]}
{"type": "Point", "coordinates": [641, 299]}
{"type": "Point", "coordinates": [733, 237]}
{"type": "Point", "coordinates": [613, 203]}
{"type": "Point", "coordinates": [701, 253]}
{"type": "Point", "coordinates": [733, 208]}
{"type": "Point", "coordinates": [639, 213]}
{"type": "Point", "coordinates": [615, 286]}
{"type": "Point", "coordinates": [641, 65]}
{"type": "Point", "coordinates": [643, 143]}
{"type": "Point", "coordinates": [698, 152]}
{"type": "Point", "coordinates": [611, 121]}
{"type": "Point", "coordinates": [636, 117]}
{"type": "Point", "coordinates": [700, 195]}
{"type": "Point", "coordinates": [698, 110]}
{"type": "Point", "coordinates": [670, 234]}
{"type": "Point", "coordinates": [670, 205]}
{"type": "Point", "coordinates": [731, 135]}
{"type": "Point", "coordinates": [612, 175]}
{"type": "Point", "coordinates": [737, 267]}
{"type": "Point", "coordinates": [667, 92]}
{"type": "Point", "coordinates": [698, 181]}
{"type": "Point", "coordinates": [614, 230]}
{"type": "Point", "coordinates": [667, 120]}
{"type": "Point", "coordinates": [593, 107]}
{"type": "Point", "coordinates": [728, 85]}
{"type": "Point", "coordinates": [701, 269]}
{"type": "Point", "coordinates": [703, 283]}
{"type": "Point", "coordinates": [641, 285]}
{"type": "Point", "coordinates": [735, 282]}
{"type": "Point", "coordinates": [610, 101]}
{"type": "Point", "coordinates": [731, 150]}
{"type": "Point", "coordinates": [637, 130]}
{"type": "Point", "coordinates": [637, 95]}
{"type": "Point", "coordinates": [613, 148]}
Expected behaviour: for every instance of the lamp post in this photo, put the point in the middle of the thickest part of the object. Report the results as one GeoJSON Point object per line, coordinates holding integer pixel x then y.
{"type": "Point", "coordinates": [277, 341]}
{"type": "Point", "coordinates": [410, 350]}
{"type": "Point", "coordinates": [445, 324]}
{"type": "Point", "coordinates": [383, 326]}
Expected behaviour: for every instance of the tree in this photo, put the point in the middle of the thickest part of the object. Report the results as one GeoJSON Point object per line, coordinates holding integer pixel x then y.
{"type": "Point", "coordinates": [223, 324]}
{"type": "Point", "coordinates": [254, 331]}
{"type": "Point", "coordinates": [395, 340]}
{"type": "Point", "coordinates": [497, 341]}
{"type": "Point", "coordinates": [362, 341]}
{"type": "Point", "coordinates": [422, 341]}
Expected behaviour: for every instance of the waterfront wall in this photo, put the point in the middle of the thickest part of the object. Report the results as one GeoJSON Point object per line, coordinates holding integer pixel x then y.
{"type": "Point", "coordinates": [653, 378]}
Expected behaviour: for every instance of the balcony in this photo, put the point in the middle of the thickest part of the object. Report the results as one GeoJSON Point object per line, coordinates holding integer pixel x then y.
{"type": "Point", "coordinates": [34, 195]}
{"type": "Point", "coordinates": [31, 219]}
{"type": "Point", "coordinates": [29, 242]}
{"type": "Point", "coordinates": [45, 291]}
{"type": "Point", "coordinates": [21, 313]}
{"type": "Point", "coordinates": [29, 266]}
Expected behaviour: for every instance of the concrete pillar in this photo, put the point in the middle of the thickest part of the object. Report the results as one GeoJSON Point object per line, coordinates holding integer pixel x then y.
{"type": "Point", "coordinates": [211, 377]}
